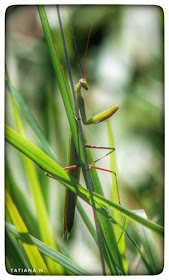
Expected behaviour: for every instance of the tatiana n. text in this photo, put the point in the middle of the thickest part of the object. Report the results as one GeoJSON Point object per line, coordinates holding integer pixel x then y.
{"type": "Point", "coordinates": [25, 270]}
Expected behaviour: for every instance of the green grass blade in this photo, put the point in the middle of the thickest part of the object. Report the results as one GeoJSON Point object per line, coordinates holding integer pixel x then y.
{"type": "Point", "coordinates": [65, 92]}
{"type": "Point", "coordinates": [86, 220]}
{"type": "Point", "coordinates": [113, 166]}
{"type": "Point", "coordinates": [31, 250]}
{"type": "Point", "coordinates": [30, 119]}
{"type": "Point", "coordinates": [51, 253]}
{"type": "Point", "coordinates": [42, 215]}
{"type": "Point", "coordinates": [57, 172]}
{"type": "Point", "coordinates": [34, 185]}
{"type": "Point", "coordinates": [107, 250]}
{"type": "Point", "coordinates": [107, 229]}
{"type": "Point", "coordinates": [148, 267]}
{"type": "Point", "coordinates": [118, 217]}
{"type": "Point", "coordinates": [93, 233]}
{"type": "Point", "coordinates": [92, 230]}
{"type": "Point", "coordinates": [13, 253]}
{"type": "Point", "coordinates": [21, 202]}
{"type": "Point", "coordinates": [149, 244]}
{"type": "Point", "coordinates": [64, 88]}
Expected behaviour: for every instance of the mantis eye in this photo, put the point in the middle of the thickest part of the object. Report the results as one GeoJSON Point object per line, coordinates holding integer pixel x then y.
{"type": "Point", "coordinates": [83, 84]}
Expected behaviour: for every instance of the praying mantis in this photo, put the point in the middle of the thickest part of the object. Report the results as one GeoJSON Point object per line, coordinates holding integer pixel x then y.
{"type": "Point", "coordinates": [73, 167]}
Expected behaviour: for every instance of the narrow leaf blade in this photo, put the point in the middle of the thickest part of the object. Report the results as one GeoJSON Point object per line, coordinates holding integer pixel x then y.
{"type": "Point", "coordinates": [59, 174]}
{"type": "Point", "coordinates": [51, 253]}
{"type": "Point", "coordinates": [149, 244]}
{"type": "Point", "coordinates": [31, 250]}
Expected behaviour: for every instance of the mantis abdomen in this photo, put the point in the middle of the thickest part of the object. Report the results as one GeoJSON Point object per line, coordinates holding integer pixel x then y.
{"type": "Point", "coordinates": [70, 197]}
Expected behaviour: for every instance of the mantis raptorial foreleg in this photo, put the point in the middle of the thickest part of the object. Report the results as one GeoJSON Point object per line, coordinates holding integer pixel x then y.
{"type": "Point", "coordinates": [98, 118]}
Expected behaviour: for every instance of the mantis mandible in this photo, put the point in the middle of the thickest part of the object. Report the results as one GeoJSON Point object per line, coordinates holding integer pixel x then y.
{"type": "Point", "coordinates": [72, 162]}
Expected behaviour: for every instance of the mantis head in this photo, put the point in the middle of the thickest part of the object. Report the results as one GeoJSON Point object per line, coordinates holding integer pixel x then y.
{"type": "Point", "coordinates": [83, 83]}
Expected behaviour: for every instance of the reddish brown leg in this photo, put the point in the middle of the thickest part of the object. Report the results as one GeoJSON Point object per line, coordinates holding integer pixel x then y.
{"type": "Point", "coordinates": [102, 169]}
{"type": "Point", "coordinates": [107, 170]}
{"type": "Point", "coordinates": [103, 148]}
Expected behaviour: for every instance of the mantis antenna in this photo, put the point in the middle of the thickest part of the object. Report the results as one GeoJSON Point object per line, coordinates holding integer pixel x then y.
{"type": "Point", "coordinates": [87, 46]}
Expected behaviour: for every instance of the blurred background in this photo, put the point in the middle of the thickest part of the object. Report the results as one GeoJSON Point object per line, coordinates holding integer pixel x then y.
{"type": "Point", "coordinates": [125, 66]}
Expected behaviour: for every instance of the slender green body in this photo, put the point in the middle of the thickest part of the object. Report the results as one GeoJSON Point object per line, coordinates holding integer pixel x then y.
{"type": "Point", "coordinates": [70, 198]}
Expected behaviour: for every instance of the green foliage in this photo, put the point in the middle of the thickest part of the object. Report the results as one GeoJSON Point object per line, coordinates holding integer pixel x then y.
{"type": "Point", "coordinates": [53, 169]}
{"type": "Point", "coordinates": [31, 250]}
{"type": "Point", "coordinates": [31, 197]}
{"type": "Point", "coordinates": [51, 253]}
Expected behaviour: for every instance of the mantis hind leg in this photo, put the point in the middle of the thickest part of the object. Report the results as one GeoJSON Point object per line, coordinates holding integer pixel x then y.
{"type": "Point", "coordinates": [103, 169]}
{"type": "Point", "coordinates": [102, 148]}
